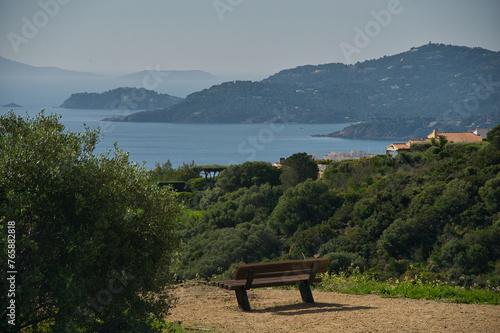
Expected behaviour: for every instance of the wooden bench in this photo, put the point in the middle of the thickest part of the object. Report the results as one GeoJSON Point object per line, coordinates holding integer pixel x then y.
{"type": "Point", "coordinates": [272, 274]}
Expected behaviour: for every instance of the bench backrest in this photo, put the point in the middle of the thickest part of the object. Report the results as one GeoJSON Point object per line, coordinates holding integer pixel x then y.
{"type": "Point", "coordinates": [282, 268]}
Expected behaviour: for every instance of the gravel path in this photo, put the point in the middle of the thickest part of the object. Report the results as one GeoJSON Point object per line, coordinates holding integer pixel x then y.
{"type": "Point", "coordinates": [282, 311]}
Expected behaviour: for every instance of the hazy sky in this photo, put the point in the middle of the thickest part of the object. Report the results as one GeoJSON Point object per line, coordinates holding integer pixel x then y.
{"type": "Point", "coordinates": [237, 36]}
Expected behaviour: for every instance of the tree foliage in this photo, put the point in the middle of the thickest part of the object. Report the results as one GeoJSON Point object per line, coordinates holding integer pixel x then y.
{"type": "Point", "coordinates": [215, 251]}
{"type": "Point", "coordinates": [297, 168]}
{"type": "Point", "coordinates": [248, 174]}
{"type": "Point", "coordinates": [252, 204]}
{"type": "Point", "coordinates": [93, 240]}
{"type": "Point", "coordinates": [493, 137]}
{"type": "Point", "coordinates": [302, 207]}
{"type": "Point", "coordinates": [165, 172]}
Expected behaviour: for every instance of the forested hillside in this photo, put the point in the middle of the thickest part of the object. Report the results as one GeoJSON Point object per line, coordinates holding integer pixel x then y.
{"type": "Point", "coordinates": [456, 86]}
{"type": "Point", "coordinates": [407, 128]}
{"type": "Point", "coordinates": [435, 210]}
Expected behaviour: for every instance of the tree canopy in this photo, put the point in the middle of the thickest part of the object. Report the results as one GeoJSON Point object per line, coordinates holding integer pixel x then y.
{"type": "Point", "coordinates": [93, 241]}
{"type": "Point", "coordinates": [297, 168]}
{"type": "Point", "coordinates": [248, 174]}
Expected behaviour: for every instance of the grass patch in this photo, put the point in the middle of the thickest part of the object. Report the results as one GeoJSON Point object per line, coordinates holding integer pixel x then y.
{"type": "Point", "coordinates": [409, 287]}
{"type": "Point", "coordinates": [179, 327]}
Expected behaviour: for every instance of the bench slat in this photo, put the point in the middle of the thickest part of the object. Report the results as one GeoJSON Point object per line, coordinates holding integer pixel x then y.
{"type": "Point", "coordinates": [259, 274]}
{"type": "Point", "coordinates": [293, 267]}
{"type": "Point", "coordinates": [278, 265]}
{"type": "Point", "coordinates": [266, 284]}
{"type": "Point", "coordinates": [290, 279]}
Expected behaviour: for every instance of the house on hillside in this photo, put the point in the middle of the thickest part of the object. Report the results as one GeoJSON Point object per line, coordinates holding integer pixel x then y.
{"type": "Point", "coordinates": [397, 147]}
{"type": "Point", "coordinates": [449, 136]}
{"type": "Point", "coordinates": [280, 163]}
{"type": "Point", "coordinates": [321, 170]}
{"type": "Point", "coordinates": [456, 136]}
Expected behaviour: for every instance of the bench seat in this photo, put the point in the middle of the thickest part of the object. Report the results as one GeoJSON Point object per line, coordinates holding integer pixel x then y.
{"type": "Point", "coordinates": [274, 274]}
{"type": "Point", "coordinates": [266, 282]}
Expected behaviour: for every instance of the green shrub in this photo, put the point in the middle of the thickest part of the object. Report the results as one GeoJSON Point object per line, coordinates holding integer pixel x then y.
{"type": "Point", "coordinates": [420, 147]}
{"type": "Point", "coordinates": [196, 184]}
{"type": "Point", "coordinates": [433, 151]}
{"type": "Point", "coordinates": [185, 198]}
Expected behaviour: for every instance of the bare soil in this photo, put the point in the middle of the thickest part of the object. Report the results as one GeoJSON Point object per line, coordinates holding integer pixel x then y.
{"type": "Point", "coordinates": [205, 307]}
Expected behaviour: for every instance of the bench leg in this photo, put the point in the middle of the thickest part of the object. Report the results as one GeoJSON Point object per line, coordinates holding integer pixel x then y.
{"type": "Point", "coordinates": [305, 293]}
{"type": "Point", "coordinates": [241, 296]}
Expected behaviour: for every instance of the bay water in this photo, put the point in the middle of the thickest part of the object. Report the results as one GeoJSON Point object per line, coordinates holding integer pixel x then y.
{"type": "Point", "coordinates": [223, 144]}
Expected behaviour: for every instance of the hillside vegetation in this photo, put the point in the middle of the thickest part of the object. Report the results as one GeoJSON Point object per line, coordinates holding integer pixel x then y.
{"type": "Point", "coordinates": [456, 86]}
{"type": "Point", "coordinates": [434, 211]}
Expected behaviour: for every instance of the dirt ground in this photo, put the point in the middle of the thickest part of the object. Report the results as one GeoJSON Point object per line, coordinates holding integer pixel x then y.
{"type": "Point", "coordinates": [204, 307]}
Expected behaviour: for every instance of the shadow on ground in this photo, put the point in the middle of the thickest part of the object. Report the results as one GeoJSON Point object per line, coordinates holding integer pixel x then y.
{"type": "Point", "coordinates": [306, 308]}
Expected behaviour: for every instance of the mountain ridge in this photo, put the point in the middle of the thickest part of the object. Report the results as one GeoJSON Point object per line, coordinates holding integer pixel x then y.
{"type": "Point", "coordinates": [14, 68]}
{"type": "Point", "coordinates": [10, 67]}
{"type": "Point", "coordinates": [443, 83]}
{"type": "Point", "coordinates": [170, 75]}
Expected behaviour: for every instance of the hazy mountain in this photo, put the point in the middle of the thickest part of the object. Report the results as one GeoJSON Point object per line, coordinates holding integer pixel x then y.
{"type": "Point", "coordinates": [14, 68]}
{"type": "Point", "coordinates": [438, 82]}
{"type": "Point", "coordinates": [170, 75]}
{"type": "Point", "coordinates": [121, 98]}
{"type": "Point", "coordinates": [50, 86]}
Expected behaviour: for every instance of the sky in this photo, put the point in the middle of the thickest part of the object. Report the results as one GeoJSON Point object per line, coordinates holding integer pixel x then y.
{"type": "Point", "coordinates": [241, 37]}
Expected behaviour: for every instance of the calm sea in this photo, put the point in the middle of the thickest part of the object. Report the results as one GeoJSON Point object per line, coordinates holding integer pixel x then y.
{"type": "Point", "coordinates": [207, 143]}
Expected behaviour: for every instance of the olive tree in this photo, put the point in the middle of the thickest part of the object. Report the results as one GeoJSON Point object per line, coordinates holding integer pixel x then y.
{"type": "Point", "coordinates": [93, 241]}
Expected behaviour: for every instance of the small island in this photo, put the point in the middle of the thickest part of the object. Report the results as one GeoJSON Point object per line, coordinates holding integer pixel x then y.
{"type": "Point", "coordinates": [121, 98]}
{"type": "Point", "coordinates": [11, 105]}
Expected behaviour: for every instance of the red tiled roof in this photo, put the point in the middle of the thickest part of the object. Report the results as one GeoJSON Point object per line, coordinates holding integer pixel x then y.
{"type": "Point", "coordinates": [456, 136]}
{"type": "Point", "coordinates": [409, 143]}
{"type": "Point", "coordinates": [461, 136]}
{"type": "Point", "coordinates": [397, 146]}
